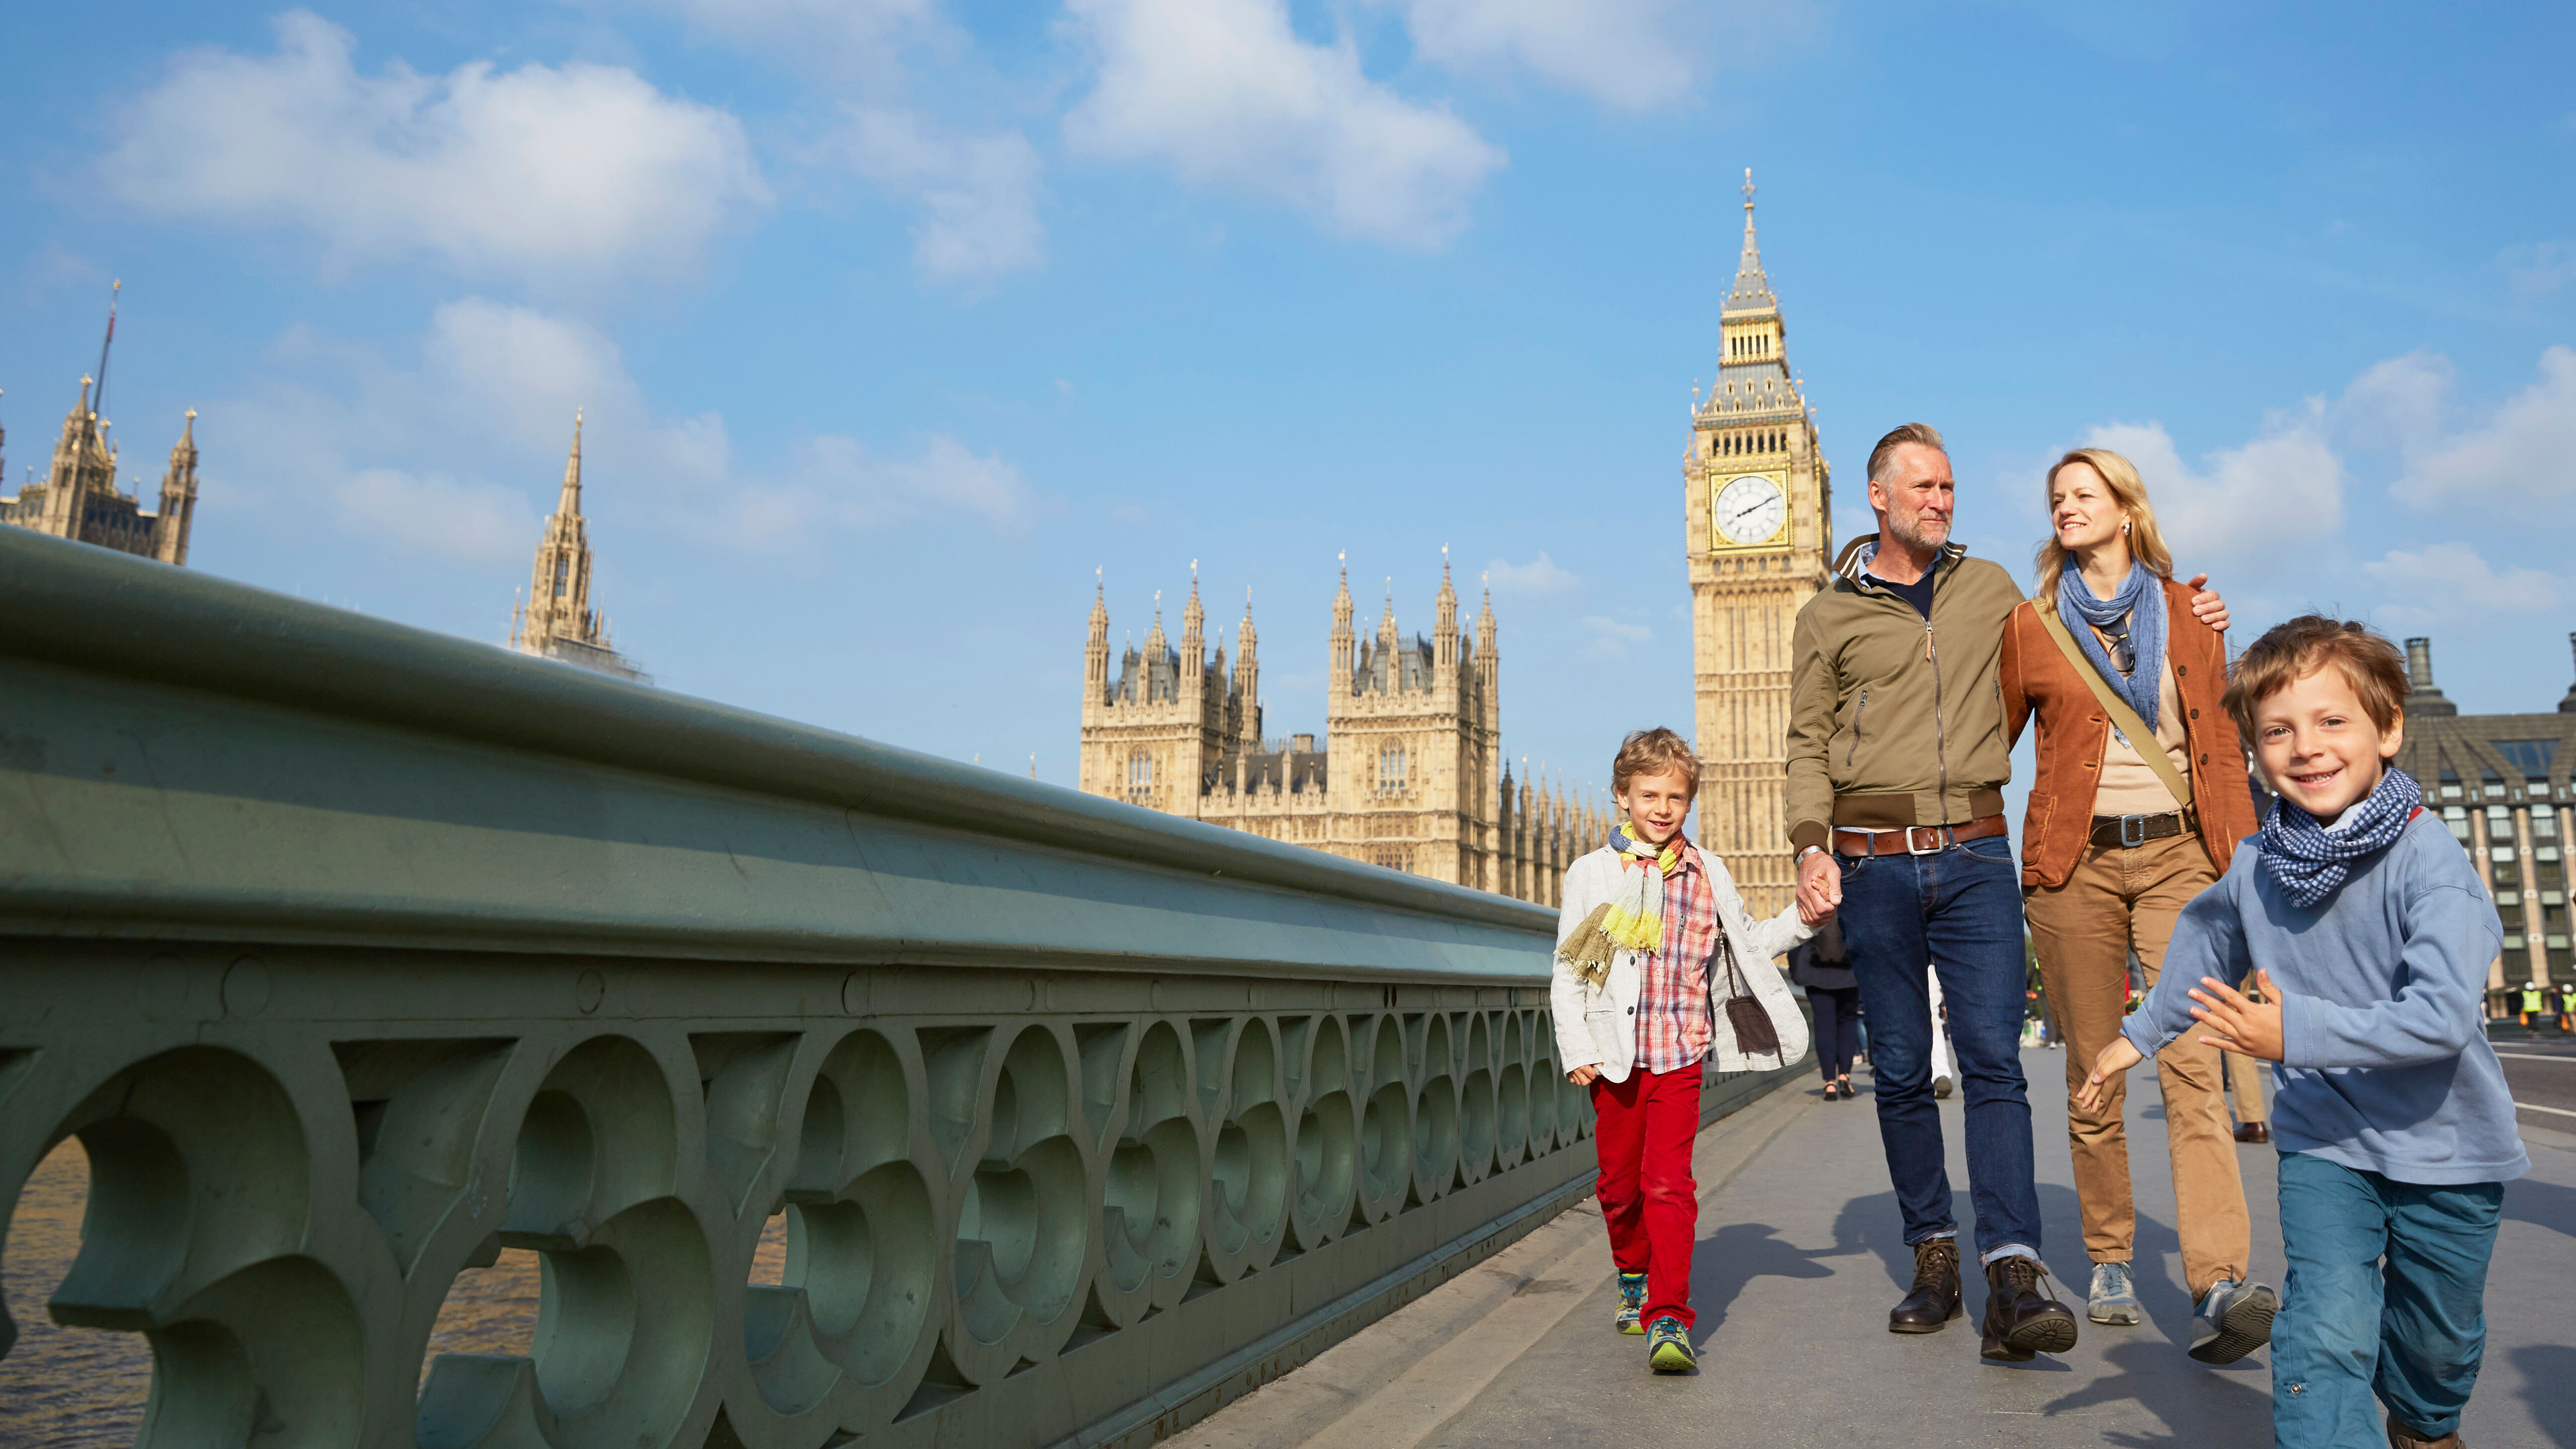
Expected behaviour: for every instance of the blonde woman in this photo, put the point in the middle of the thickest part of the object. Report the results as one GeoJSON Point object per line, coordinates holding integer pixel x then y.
{"type": "Point", "coordinates": [2112, 849]}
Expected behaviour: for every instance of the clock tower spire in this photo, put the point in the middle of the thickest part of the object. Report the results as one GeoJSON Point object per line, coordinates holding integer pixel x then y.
{"type": "Point", "coordinates": [1757, 509]}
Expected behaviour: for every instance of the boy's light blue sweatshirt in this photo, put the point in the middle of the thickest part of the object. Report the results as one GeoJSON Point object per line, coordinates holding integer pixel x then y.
{"type": "Point", "coordinates": [2387, 1067]}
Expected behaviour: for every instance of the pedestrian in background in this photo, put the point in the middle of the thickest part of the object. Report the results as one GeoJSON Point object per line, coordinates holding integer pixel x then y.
{"type": "Point", "coordinates": [2136, 804]}
{"type": "Point", "coordinates": [2245, 1082]}
{"type": "Point", "coordinates": [1823, 968]}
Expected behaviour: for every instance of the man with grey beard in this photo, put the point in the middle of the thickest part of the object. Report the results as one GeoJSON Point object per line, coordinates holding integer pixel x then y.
{"type": "Point", "coordinates": [1897, 760]}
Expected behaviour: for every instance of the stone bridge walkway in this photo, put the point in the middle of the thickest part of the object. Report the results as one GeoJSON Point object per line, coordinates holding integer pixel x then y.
{"type": "Point", "coordinates": [1800, 1256]}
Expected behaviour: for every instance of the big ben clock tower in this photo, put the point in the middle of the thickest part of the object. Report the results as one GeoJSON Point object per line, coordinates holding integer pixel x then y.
{"type": "Point", "coordinates": [1758, 520]}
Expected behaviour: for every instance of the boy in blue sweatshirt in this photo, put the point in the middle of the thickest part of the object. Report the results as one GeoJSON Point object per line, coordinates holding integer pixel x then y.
{"type": "Point", "coordinates": [2366, 930]}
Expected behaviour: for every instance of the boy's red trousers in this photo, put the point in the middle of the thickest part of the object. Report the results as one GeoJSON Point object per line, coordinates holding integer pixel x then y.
{"type": "Point", "coordinates": [1644, 1128]}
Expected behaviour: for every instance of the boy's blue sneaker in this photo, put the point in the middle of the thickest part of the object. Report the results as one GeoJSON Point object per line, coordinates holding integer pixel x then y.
{"type": "Point", "coordinates": [1668, 1349]}
{"type": "Point", "coordinates": [2113, 1300]}
{"type": "Point", "coordinates": [1632, 1303]}
{"type": "Point", "coordinates": [2234, 1319]}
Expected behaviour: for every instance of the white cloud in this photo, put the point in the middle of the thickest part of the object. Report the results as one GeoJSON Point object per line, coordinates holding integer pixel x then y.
{"type": "Point", "coordinates": [2542, 269]}
{"type": "Point", "coordinates": [1538, 578]}
{"type": "Point", "coordinates": [458, 450]}
{"type": "Point", "coordinates": [1610, 638]}
{"type": "Point", "coordinates": [2452, 579]}
{"type": "Point", "coordinates": [838, 481]}
{"type": "Point", "coordinates": [567, 172]}
{"type": "Point", "coordinates": [1224, 93]}
{"type": "Point", "coordinates": [2242, 503]}
{"type": "Point", "coordinates": [454, 518]}
{"type": "Point", "coordinates": [2525, 449]}
{"type": "Point", "coordinates": [978, 194]}
{"type": "Point", "coordinates": [2397, 403]}
{"type": "Point", "coordinates": [845, 38]}
{"type": "Point", "coordinates": [1629, 54]}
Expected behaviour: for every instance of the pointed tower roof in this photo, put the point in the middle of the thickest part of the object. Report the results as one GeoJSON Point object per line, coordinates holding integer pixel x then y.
{"type": "Point", "coordinates": [1154, 642]}
{"type": "Point", "coordinates": [569, 504]}
{"type": "Point", "coordinates": [1246, 636]}
{"type": "Point", "coordinates": [1099, 606]}
{"type": "Point", "coordinates": [1752, 290]}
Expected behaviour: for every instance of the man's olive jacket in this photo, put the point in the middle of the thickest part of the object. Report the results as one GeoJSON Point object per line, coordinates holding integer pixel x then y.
{"type": "Point", "coordinates": [1894, 720]}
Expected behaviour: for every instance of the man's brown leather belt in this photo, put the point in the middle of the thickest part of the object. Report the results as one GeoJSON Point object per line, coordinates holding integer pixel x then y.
{"type": "Point", "coordinates": [2136, 830]}
{"type": "Point", "coordinates": [1914, 839]}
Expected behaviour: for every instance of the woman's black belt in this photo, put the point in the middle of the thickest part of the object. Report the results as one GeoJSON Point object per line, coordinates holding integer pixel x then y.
{"type": "Point", "coordinates": [2137, 830]}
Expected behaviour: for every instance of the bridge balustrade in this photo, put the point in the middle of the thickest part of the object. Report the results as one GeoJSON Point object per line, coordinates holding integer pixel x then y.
{"type": "Point", "coordinates": [355, 955]}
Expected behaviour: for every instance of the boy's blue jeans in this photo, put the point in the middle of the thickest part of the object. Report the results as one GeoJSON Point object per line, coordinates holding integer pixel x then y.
{"type": "Point", "coordinates": [2386, 1295]}
{"type": "Point", "coordinates": [1959, 910]}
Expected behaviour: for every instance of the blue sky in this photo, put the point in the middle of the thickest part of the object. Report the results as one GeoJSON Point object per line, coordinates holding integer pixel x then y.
{"type": "Point", "coordinates": [896, 319]}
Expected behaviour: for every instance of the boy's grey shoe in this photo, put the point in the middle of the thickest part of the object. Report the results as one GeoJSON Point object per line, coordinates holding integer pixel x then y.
{"type": "Point", "coordinates": [2112, 1299]}
{"type": "Point", "coordinates": [2234, 1320]}
{"type": "Point", "coordinates": [1632, 1303]}
{"type": "Point", "coordinates": [1668, 1348]}
{"type": "Point", "coordinates": [1941, 1087]}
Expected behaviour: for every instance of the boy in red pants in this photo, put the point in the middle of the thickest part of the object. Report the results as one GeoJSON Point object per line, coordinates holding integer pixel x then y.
{"type": "Point", "coordinates": [1653, 944]}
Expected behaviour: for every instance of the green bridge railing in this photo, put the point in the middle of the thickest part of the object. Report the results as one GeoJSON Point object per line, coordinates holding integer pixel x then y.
{"type": "Point", "coordinates": [355, 955]}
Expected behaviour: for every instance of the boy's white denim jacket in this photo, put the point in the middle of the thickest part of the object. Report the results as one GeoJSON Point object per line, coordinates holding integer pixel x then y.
{"type": "Point", "coordinates": [1597, 1026]}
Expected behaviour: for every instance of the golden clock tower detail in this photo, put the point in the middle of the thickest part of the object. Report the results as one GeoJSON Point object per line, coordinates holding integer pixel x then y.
{"type": "Point", "coordinates": [1757, 504]}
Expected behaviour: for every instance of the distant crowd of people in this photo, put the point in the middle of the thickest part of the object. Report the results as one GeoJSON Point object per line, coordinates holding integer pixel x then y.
{"type": "Point", "coordinates": [2325, 963]}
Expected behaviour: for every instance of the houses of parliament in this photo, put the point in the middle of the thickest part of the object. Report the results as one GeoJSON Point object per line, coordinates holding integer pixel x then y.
{"type": "Point", "coordinates": [79, 498]}
{"type": "Point", "coordinates": [1408, 773]}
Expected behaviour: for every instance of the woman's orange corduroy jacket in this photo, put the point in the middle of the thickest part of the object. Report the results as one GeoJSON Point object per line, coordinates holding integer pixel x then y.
{"type": "Point", "coordinates": [2038, 681]}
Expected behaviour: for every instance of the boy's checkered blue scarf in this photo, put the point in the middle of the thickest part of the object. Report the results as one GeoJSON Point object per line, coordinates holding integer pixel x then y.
{"type": "Point", "coordinates": [2310, 861]}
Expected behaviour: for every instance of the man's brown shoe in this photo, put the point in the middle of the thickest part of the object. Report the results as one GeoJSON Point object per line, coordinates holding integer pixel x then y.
{"type": "Point", "coordinates": [2253, 1132]}
{"type": "Point", "coordinates": [2401, 1437]}
{"type": "Point", "coordinates": [2021, 1319]}
{"type": "Point", "coordinates": [1935, 1299]}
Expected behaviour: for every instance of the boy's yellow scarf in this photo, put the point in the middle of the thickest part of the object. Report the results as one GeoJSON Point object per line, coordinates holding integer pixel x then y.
{"type": "Point", "coordinates": [1632, 919]}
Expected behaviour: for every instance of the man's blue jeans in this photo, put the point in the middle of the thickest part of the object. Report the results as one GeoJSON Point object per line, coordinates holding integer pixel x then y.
{"type": "Point", "coordinates": [2386, 1296]}
{"type": "Point", "coordinates": [1959, 910]}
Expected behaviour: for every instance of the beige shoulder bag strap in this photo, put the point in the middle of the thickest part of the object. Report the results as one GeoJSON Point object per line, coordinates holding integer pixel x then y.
{"type": "Point", "coordinates": [2121, 715]}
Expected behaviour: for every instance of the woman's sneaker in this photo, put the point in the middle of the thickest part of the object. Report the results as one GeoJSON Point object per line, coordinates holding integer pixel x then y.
{"type": "Point", "coordinates": [1632, 1303]}
{"type": "Point", "coordinates": [1668, 1349]}
{"type": "Point", "coordinates": [2234, 1320]}
{"type": "Point", "coordinates": [2113, 1299]}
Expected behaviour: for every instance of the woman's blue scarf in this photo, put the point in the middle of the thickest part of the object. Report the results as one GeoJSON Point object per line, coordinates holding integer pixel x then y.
{"type": "Point", "coordinates": [2143, 686]}
{"type": "Point", "coordinates": [2310, 861]}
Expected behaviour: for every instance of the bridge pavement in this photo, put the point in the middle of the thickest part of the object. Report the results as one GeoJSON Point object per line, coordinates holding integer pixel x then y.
{"type": "Point", "coordinates": [1799, 1257]}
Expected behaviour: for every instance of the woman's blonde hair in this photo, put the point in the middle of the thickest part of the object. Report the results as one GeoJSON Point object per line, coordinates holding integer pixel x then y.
{"type": "Point", "coordinates": [2146, 543]}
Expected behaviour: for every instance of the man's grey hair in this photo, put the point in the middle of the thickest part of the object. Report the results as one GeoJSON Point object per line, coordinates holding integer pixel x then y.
{"type": "Point", "coordinates": [1923, 433]}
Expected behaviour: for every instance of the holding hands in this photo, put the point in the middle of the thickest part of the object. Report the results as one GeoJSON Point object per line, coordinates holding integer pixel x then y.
{"type": "Point", "coordinates": [1820, 887]}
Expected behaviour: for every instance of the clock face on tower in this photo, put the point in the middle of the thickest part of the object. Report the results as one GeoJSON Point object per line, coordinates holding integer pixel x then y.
{"type": "Point", "coordinates": [1749, 511]}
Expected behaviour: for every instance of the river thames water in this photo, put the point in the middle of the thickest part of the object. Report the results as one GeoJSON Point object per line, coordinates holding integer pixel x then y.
{"type": "Point", "coordinates": [86, 1387]}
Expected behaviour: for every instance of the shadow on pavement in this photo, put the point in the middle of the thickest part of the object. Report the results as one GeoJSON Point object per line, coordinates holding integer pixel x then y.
{"type": "Point", "coordinates": [2189, 1403]}
{"type": "Point", "coordinates": [2542, 1204]}
{"type": "Point", "coordinates": [1735, 1255]}
{"type": "Point", "coordinates": [2549, 1379]}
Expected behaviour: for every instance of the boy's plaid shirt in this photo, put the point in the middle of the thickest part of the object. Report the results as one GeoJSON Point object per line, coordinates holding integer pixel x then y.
{"type": "Point", "coordinates": [1672, 998]}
